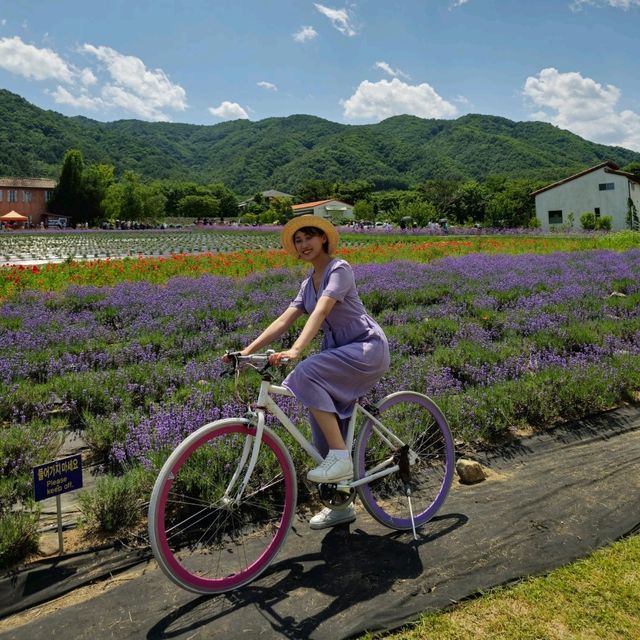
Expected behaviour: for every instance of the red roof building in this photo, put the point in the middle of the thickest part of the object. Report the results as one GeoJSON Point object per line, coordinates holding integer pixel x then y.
{"type": "Point", "coordinates": [28, 196]}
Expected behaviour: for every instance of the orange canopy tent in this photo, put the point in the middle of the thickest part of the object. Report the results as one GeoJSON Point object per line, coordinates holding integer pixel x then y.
{"type": "Point", "coordinates": [13, 216]}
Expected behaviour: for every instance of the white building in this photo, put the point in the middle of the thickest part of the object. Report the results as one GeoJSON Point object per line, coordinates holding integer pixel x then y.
{"type": "Point", "coordinates": [334, 210]}
{"type": "Point", "coordinates": [603, 190]}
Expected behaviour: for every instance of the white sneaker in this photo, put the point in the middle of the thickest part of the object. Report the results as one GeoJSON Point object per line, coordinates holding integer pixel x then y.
{"type": "Point", "coordinates": [332, 469]}
{"type": "Point", "coordinates": [331, 517]}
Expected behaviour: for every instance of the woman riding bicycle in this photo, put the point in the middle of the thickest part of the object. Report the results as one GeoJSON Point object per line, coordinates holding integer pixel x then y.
{"type": "Point", "coordinates": [354, 353]}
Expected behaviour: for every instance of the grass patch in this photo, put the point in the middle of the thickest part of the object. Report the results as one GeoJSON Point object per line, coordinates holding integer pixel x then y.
{"type": "Point", "coordinates": [596, 597]}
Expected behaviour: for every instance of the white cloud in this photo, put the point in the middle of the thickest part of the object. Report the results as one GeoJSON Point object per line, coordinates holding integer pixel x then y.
{"type": "Point", "coordinates": [269, 86]}
{"type": "Point", "coordinates": [458, 3]}
{"type": "Point", "coordinates": [3, 22]}
{"type": "Point", "coordinates": [137, 89]}
{"type": "Point", "coordinates": [340, 19]}
{"type": "Point", "coordinates": [576, 5]}
{"type": "Point", "coordinates": [115, 96]}
{"type": "Point", "coordinates": [394, 73]}
{"type": "Point", "coordinates": [28, 61]}
{"type": "Point", "coordinates": [83, 101]}
{"type": "Point", "coordinates": [306, 33]}
{"type": "Point", "coordinates": [386, 98]}
{"type": "Point", "coordinates": [583, 106]}
{"type": "Point", "coordinates": [229, 111]}
{"type": "Point", "coordinates": [87, 77]}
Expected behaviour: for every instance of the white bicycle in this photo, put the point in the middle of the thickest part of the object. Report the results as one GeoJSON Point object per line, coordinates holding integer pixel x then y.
{"type": "Point", "coordinates": [223, 502]}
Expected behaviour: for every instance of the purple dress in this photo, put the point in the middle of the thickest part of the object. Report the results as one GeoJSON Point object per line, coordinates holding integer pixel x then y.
{"type": "Point", "coordinates": [354, 353]}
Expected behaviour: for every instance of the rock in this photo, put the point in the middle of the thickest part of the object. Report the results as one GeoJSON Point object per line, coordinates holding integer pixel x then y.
{"type": "Point", "coordinates": [470, 471]}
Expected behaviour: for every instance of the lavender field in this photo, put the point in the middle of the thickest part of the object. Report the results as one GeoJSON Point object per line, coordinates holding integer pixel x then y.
{"type": "Point", "coordinates": [502, 343]}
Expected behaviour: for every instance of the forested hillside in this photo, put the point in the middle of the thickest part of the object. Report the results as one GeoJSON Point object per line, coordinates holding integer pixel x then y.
{"type": "Point", "coordinates": [282, 153]}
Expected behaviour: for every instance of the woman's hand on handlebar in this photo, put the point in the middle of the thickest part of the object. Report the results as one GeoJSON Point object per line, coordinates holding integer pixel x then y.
{"type": "Point", "coordinates": [230, 356]}
{"type": "Point", "coordinates": [280, 357]}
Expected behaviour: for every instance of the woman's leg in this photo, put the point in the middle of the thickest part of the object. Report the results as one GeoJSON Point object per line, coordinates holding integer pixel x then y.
{"type": "Point", "coordinates": [330, 429]}
{"type": "Point", "coordinates": [317, 437]}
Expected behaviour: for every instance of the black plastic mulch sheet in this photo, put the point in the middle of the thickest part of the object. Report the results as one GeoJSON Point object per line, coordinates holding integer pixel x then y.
{"type": "Point", "coordinates": [549, 500]}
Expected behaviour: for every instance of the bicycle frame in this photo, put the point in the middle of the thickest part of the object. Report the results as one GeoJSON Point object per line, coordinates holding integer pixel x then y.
{"type": "Point", "coordinates": [266, 403]}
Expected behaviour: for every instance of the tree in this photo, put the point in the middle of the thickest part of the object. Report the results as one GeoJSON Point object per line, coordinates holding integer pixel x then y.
{"type": "Point", "coordinates": [199, 207]}
{"type": "Point", "coordinates": [112, 201]}
{"type": "Point", "coordinates": [96, 180]}
{"type": "Point", "coordinates": [314, 190]}
{"type": "Point", "coordinates": [469, 203]}
{"type": "Point", "coordinates": [514, 206]}
{"type": "Point", "coordinates": [125, 200]}
{"type": "Point", "coordinates": [363, 210]}
{"type": "Point", "coordinates": [132, 203]}
{"type": "Point", "coordinates": [228, 203]}
{"type": "Point", "coordinates": [283, 209]}
{"type": "Point", "coordinates": [421, 213]}
{"type": "Point", "coordinates": [175, 190]}
{"type": "Point", "coordinates": [154, 204]}
{"type": "Point", "coordinates": [68, 195]}
{"type": "Point", "coordinates": [352, 192]}
{"type": "Point", "coordinates": [633, 167]}
{"type": "Point", "coordinates": [440, 193]}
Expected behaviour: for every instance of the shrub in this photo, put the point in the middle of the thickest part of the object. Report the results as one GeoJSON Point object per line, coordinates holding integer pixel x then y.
{"type": "Point", "coordinates": [23, 446]}
{"type": "Point", "coordinates": [588, 220]}
{"type": "Point", "coordinates": [116, 503]}
{"type": "Point", "coordinates": [18, 536]}
{"type": "Point", "coordinates": [603, 223]}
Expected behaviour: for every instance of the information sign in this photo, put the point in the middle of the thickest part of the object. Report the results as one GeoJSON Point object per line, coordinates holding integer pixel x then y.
{"type": "Point", "coordinates": [54, 478]}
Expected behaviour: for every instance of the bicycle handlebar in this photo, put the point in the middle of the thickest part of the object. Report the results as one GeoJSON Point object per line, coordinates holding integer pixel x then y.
{"type": "Point", "coordinates": [258, 361]}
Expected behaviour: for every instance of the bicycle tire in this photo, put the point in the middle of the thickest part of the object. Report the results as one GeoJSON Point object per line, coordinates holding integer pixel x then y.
{"type": "Point", "coordinates": [418, 421]}
{"type": "Point", "coordinates": [203, 544]}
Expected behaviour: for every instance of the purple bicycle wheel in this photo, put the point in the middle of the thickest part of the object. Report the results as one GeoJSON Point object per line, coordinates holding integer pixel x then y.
{"type": "Point", "coordinates": [417, 421]}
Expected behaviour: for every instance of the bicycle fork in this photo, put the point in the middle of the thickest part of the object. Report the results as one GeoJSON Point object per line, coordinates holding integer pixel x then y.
{"type": "Point", "coordinates": [232, 494]}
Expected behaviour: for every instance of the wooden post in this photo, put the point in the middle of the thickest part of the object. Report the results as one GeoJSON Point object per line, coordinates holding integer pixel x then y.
{"type": "Point", "coordinates": [60, 537]}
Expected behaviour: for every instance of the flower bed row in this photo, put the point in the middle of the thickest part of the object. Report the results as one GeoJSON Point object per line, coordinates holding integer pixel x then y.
{"type": "Point", "coordinates": [112, 360]}
{"type": "Point", "coordinates": [224, 261]}
{"type": "Point", "coordinates": [86, 244]}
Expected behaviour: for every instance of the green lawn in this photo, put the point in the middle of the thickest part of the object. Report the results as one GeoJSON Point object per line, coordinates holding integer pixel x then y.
{"type": "Point", "coordinates": [597, 598]}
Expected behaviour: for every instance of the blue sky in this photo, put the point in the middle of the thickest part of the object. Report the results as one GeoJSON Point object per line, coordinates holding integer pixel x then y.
{"type": "Point", "coordinates": [569, 62]}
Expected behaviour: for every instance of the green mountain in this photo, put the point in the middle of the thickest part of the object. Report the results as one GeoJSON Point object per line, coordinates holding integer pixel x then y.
{"type": "Point", "coordinates": [282, 153]}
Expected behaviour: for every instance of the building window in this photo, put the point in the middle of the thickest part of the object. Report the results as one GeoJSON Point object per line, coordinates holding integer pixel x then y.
{"type": "Point", "coordinates": [26, 196]}
{"type": "Point", "coordinates": [12, 195]}
{"type": "Point", "coordinates": [1, 195]}
{"type": "Point", "coordinates": [47, 195]}
{"type": "Point", "coordinates": [606, 186]}
{"type": "Point", "coordinates": [597, 212]}
{"type": "Point", "coordinates": [555, 217]}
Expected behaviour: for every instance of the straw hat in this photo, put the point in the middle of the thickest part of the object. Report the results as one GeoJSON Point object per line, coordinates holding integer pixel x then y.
{"type": "Point", "coordinates": [308, 220]}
